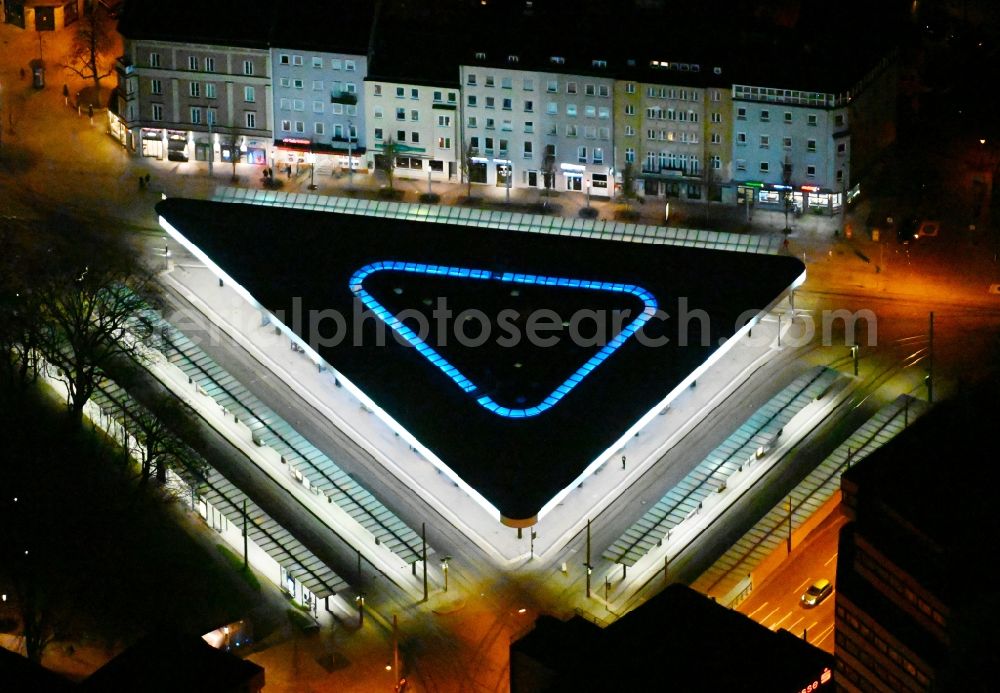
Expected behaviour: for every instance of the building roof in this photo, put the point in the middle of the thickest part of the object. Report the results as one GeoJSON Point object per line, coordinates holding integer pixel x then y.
{"type": "Point", "coordinates": [926, 498]}
{"type": "Point", "coordinates": [168, 661]}
{"type": "Point", "coordinates": [679, 640]}
{"type": "Point", "coordinates": [343, 26]}
{"type": "Point", "coordinates": [19, 674]}
{"type": "Point", "coordinates": [518, 464]}
{"type": "Point", "coordinates": [237, 23]}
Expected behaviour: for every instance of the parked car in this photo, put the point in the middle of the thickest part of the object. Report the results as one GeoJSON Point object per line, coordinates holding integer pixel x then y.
{"type": "Point", "coordinates": [817, 592]}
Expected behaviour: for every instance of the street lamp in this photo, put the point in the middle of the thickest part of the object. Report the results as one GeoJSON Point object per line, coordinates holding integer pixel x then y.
{"type": "Point", "coordinates": [854, 355]}
{"type": "Point", "coordinates": [587, 185]}
{"type": "Point", "coordinates": [444, 568]}
{"type": "Point", "coordinates": [360, 600]}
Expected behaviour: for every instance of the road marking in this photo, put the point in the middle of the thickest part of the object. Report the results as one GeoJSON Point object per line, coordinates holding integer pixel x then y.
{"type": "Point", "coordinates": [758, 609]}
{"type": "Point", "coordinates": [778, 622]}
{"type": "Point", "coordinates": [798, 590]}
{"type": "Point", "coordinates": [761, 621]}
{"type": "Point", "coordinates": [791, 627]}
{"type": "Point", "coordinates": [830, 559]}
{"type": "Point", "coordinates": [824, 635]}
{"type": "Point", "coordinates": [812, 625]}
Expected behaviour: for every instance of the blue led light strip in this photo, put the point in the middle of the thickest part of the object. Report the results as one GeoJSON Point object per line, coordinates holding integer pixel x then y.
{"type": "Point", "coordinates": [650, 305]}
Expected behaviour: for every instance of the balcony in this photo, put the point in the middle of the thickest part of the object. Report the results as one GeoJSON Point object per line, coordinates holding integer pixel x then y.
{"type": "Point", "coordinates": [343, 97]}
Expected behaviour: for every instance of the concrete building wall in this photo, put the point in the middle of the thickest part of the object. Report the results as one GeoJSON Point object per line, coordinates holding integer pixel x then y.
{"type": "Point", "coordinates": [422, 121]}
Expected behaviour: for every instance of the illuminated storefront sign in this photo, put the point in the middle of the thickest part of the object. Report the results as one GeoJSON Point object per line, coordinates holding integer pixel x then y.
{"type": "Point", "coordinates": [357, 280]}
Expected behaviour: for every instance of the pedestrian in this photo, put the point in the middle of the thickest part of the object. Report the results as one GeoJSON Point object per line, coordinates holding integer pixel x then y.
{"type": "Point", "coordinates": [90, 113]}
{"type": "Point", "coordinates": [142, 182]}
{"type": "Point", "coordinates": [65, 95]}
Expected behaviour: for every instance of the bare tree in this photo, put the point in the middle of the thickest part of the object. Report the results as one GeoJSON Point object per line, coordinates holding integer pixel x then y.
{"type": "Point", "coordinates": [470, 153]}
{"type": "Point", "coordinates": [20, 308]}
{"type": "Point", "coordinates": [233, 137]}
{"type": "Point", "coordinates": [710, 181]}
{"type": "Point", "coordinates": [628, 183]}
{"type": "Point", "coordinates": [548, 168]}
{"type": "Point", "coordinates": [387, 163]}
{"type": "Point", "coordinates": [786, 195]}
{"type": "Point", "coordinates": [93, 310]}
{"type": "Point", "coordinates": [91, 43]}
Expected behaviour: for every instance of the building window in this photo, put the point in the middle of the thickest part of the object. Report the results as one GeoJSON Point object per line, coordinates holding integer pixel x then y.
{"type": "Point", "coordinates": [349, 65]}
{"type": "Point", "coordinates": [490, 81]}
{"type": "Point", "coordinates": [298, 83]}
{"type": "Point", "coordinates": [570, 131]}
{"type": "Point", "coordinates": [194, 89]}
{"type": "Point", "coordinates": [529, 85]}
{"type": "Point", "coordinates": [378, 133]}
{"type": "Point", "coordinates": [629, 131]}
{"type": "Point", "coordinates": [154, 59]}
{"type": "Point", "coordinates": [490, 102]}
{"type": "Point", "coordinates": [414, 93]}
{"type": "Point", "coordinates": [196, 116]}
{"type": "Point", "coordinates": [716, 118]}
{"type": "Point", "coordinates": [336, 63]}
{"type": "Point", "coordinates": [765, 116]}
{"type": "Point", "coordinates": [317, 106]}
{"type": "Point", "coordinates": [155, 86]}
{"type": "Point", "coordinates": [788, 116]}
{"type": "Point", "coordinates": [786, 142]}
{"type": "Point", "coordinates": [604, 133]}
{"type": "Point", "coordinates": [444, 143]}
{"type": "Point", "coordinates": [841, 148]}
{"type": "Point", "coordinates": [490, 123]}
{"type": "Point", "coordinates": [317, 62]}
{"type": "Point", "coordinates": [810, 171]}
{"type": "Point", "coordinates": [249, 95]}
{"type": "Point", "coordinates": [741, 113]}
{"type": "Point", "coordinates": [192, 62]}
{"type": "Point", "coordinates": [337, 108]}
{"type": "Point", "coordinates": [415, 137]}
{"type": "Point", "coordinates": [741, 164]}
{"type": "Point", "coordinates": [629, 155]}
{"type": "Point", "coordinates": [529, 126]}
{"type": "Point", "coordinates": [298, 105]}
{"type": "Point", "coordinates": [444, 121]}
{"type": "Point", "coordinates": [209, 90]}
{"type": "Point", "coordinates": [317, 85]}
{"type": "Point", "coordinates": [581, 155]}
{"type": "Point", "coordinates": [286, 126]}
{"type": "Point", "coordinates": [571, 110]}
{"type": "Point", "coordinates": [811, 120]}
{"type": "Point", "coordinates": [716, 162]}
{"type": "Point", "coordinates": [741, 138]}
{"type": "Point", "coordinates": [589, 132]}
{"type": "Point", "coordinates": [400, 135]}
{"type": "Point", "coordinates": [765, 141]}
{"type": "Point", "coordinates": [414, 115]}
{"type": "Point", "coordinates": [529, 106]}
{"type": "Point", "coordinates": [400, 114]}
{"type": "Point", "coordinates": [602, 90]}
{"type": "Point", "coordinates": [716, 96]}
{"type": "Point", "coordinates": [588, 89]}
{"type": "Point", "coordinates": [251, 119]}
{"type": "Point", "coordinates": [598, 155]}
{"type": "Point", "coordinates": [764, 167]}
{"type": "Point", "coordinates": [570, 87]}
{"type": "Point", "coordinates": [377, 89]}
{"type": "Point", "coordinates": [716, 138]}
{"type": "Point", "coordinates": [527, 150]}
{"type": "Point", "coordinates": [840, 179]}
{"type": "Point", "coordinates": [283, 59]}
{"type": "Point", "coordinates": [471, 100]}
{"type": "Point", "coordinates": [508, 104]}
{"type": "Point", "coordinates": [590, 111]}
{"type": "Point", "coordinates": [506, 83]}
{"type": "Point", "coordinates": [400, 92]}
{"type": "Point", "coordinates": [248, 67]}
{"type": "Point", "coordinates": [629, 109]}
{"type": "Point", "coordinates": [552, 86]}
{"type": "Point", "coordinates": [157, 111]}
{"type": "Point", "coordinates": [506, 126]}
{"type": "Point", "coordinates": [318, 128]}
{"type": "Point", "coordinates": [297, 60]}
{"type": "Point", "coordinates": [630, 89]}
{"type": "Point", "coordinates": [473, 122]}
{"type": "Point", "coordinates": [211, 116]}
{"type": "Point", "coordinates": [209, 64]}
{"type": "Point", "coordinates": [438, 98]}
{"type": "Point", "coordinates": [286, 104]}
{"type": "Point", "coordinates": [811, 145]}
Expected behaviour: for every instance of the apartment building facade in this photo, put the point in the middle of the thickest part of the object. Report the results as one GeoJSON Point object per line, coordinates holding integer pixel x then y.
{"type": "Point", "coordinates": [544, 125]}
{"type": "Point", "coordinates": [185, 101]}
{"type": "Point", "coordinates": [420, 120]}
{"type": "Point", "coordinates": [319, 114]}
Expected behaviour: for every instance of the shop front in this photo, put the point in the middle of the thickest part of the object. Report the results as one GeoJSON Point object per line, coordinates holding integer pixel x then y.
{"type": "Point", "coordinates": [177, 146]}
{"type": "Point", "coordinates": [152, 143]}
{"type": "Point", "coordinates": [503, 170]}
{"type": "Point", "coordinates": [573, 174]}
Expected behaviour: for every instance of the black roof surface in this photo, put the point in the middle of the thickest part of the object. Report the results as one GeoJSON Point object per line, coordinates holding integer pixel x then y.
{"type": "Point", "coordinates": [677, 641]}
{"type": "Point", "coordinates": [517, 464]}
{"type": "Point", "coordinates": [240, 23]}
